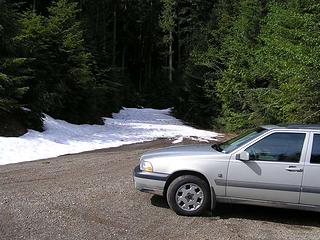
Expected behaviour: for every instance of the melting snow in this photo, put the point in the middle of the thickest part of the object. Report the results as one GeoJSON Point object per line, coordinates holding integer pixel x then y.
{"type": "Point", "coordinates": [130, 125]}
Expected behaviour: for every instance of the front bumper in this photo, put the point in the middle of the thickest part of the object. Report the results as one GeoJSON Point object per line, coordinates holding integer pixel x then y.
{"type": "Point", "coordinates": [149, 182]}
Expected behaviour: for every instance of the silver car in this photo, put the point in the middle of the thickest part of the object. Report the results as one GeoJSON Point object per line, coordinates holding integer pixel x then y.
{"type": "Point", "coordinates": [277, 166]}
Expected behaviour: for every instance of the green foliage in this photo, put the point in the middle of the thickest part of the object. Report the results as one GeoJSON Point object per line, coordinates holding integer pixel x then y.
{"type": "Point", "coordinates": [269, 58]}
{"type": "Point", "coordinates": [231, 64]}
{"type": "Point", "coordinates": [199, 103]}
{"type": "Point", "coordinates": [8, 27]}
{"type": "Point", "coordinates": [63, 83]}
{"type": "Point", "coordinates": [11, 90]}
{"type": "Point", "coordinates": [235, 85]}
{"type": "Point", "coordinates": [13, 75]}
{"type": "Point", "coordinates": [290, 57]}
{"type": "Point", "coordinates": [195, 103]}
{"type": "Point", "coordinates": [167, 19]}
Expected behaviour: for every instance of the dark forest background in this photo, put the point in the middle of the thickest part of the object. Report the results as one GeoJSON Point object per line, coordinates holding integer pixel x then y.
{"type": "Point", "coordinates": [228, 64]}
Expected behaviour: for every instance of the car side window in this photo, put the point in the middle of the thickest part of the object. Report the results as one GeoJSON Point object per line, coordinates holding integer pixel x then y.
{"type": "Point", "coordinates": [280, 147]}
{"type": "Point", "coordinates": [315, 154]}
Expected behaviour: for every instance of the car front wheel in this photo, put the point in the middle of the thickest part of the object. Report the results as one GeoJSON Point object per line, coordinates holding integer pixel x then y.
{"type": "Point", "coordinates": [188, 195]}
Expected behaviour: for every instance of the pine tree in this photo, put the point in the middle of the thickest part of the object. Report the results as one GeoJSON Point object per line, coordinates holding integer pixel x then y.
{"type": "Point", "coordinates": [62, 84]}
{"type": "Point", "coordinates": [12, 75]}
{"type": "Point", "coordinates": [237, 54]}
{"type": "Point", "coordinates": [13, 86]}
{"type": "Point", "coordinates": [168, 24]}
{"type": "Point", "coordinates": [199, 102]}
{"type": "Point", "coordinates": [290, 58]}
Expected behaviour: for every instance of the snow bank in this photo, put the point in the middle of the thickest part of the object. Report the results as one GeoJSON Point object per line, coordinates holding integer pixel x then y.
{"type": "Point", "coordinates": [130, 125]}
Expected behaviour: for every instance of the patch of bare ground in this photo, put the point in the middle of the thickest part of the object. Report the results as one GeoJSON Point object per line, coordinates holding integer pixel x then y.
{"type": "Point", "coordinates": [91, 196]}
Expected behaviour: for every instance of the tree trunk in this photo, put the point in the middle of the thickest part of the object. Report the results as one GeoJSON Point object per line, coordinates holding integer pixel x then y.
{"type": "Point", "coordinates": [142, 67]}
{"type": "Point", "coordinates": [124, 48]}
{"type": "Point", "coordinates": [114, 35]}
{"type": "Point", "coordinates": [150, 64]}
{"type": "Point", "coordinates": [170, 57]}
{"type": "Point", "coordinates": [97, 23]}
{"type": "Point", "coordinates": [104, 27]}
{"type": "Point", "coordinates": [123, 59]}
{"type": "Point", "coordinates": [179, 45]}
{"type": "Point", "coordinates": [34, 6]}
{"type": "Point", "coordinates": [81, 6]}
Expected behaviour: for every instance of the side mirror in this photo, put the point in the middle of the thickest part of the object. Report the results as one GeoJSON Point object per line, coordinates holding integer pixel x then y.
{"type": "Point", "coordinates": [244, 156]}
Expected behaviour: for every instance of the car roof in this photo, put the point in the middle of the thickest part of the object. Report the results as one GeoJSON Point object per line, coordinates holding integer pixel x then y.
{"type": "Point", "coordinates": [293, 126]}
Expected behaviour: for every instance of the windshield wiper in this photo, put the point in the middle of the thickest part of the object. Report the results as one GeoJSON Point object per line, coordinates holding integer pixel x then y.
{"type": "Point", "coordinates": [217, 147]}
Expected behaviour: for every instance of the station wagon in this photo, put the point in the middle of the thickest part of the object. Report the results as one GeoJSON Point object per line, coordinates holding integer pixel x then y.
{"type": "Point", "coordinates": [277, 166]}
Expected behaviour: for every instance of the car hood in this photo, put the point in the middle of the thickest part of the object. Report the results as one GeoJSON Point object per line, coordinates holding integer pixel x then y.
{"type": "Point", "coordinates": [184, 150]}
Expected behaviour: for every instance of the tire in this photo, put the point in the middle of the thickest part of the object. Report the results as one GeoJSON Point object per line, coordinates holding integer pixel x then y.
{"type": "Point", "coordinates": [188, 195]}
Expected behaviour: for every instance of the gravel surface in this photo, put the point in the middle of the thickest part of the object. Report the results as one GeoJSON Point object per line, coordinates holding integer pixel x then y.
{"type": "Point", "coordinates": [91, 196]}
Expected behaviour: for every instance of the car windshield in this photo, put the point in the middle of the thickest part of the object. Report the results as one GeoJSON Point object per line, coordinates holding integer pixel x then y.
{"type": "Point", "coordinates": [238, 141]}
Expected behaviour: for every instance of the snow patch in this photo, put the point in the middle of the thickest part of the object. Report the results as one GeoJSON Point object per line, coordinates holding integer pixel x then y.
{"type": "Point", "coordinates": [25, 109]}
{"type": "Point", "coordinates": [178, 140]}
{"type": "Point", "coordinates": [130, 125]}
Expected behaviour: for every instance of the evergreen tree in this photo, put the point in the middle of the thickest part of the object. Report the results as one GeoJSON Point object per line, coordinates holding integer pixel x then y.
{"type": "Point", "coordinates": [168, 24]}
{"type": "Point", "coordinates": [13, 86]}
{"type": "Point", "coordinates": [290, 58]}
{"type": "Point", "coordinates": [63, 84]}
{"type": "Point", "coordinates": [237, 79]}
{"type": "Point", "coordinates": [235, 64]}
{"type": "Point", "coordinates": [12, 74]}
{"type": "Point", "coordinates": [199, 102]}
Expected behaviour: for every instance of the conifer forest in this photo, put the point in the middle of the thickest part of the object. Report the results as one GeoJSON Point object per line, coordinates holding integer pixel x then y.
{"type": "Point", "coordinates": [222, 64]}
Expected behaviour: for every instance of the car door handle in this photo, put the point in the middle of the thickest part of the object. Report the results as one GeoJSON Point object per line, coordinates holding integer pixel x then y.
{"type": "Point", "coordinates": [294, 169]}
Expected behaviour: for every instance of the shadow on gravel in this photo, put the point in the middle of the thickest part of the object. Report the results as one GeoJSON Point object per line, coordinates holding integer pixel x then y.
{"type": "Point", "coordinates": [159, 201]}
{"type": "Point", "coordinates": [276, 215]}
{"type": "Point", "coordinates": [303, 219]}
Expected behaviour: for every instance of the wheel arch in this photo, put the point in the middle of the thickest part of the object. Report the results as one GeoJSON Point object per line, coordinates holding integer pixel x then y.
{"type": "Point", "coordinates": [194, 173]}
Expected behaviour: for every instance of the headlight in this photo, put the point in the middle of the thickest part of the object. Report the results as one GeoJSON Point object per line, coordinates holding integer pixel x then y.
{"type": "Point", "coordinates": [146, 166]}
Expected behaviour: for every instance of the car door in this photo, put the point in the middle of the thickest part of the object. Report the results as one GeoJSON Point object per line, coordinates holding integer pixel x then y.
{"type": "Point", "coordinates": [274, 171]}
{"type": "Point", "coordinates": [310, 191]}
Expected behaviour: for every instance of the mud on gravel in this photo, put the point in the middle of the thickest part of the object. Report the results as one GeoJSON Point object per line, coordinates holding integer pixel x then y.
{"type": "Point", "coordinates": [91, 196]}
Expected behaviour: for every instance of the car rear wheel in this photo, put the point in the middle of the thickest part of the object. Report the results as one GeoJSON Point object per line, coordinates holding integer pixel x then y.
{"type": "Point", "coordinates": [188, 195]}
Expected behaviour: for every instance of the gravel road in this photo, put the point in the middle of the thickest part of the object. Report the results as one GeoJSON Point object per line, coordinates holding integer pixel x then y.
{"type": "Point", "coordinates": [91, 196]}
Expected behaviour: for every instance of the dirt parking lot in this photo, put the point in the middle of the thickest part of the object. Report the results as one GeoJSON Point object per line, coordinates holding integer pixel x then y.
{"type": "Point", "coordinates": [91, 196]}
